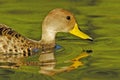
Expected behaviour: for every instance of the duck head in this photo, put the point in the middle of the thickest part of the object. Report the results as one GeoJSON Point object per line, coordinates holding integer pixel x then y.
{"type": "Point", "coordinates": [60, 20]}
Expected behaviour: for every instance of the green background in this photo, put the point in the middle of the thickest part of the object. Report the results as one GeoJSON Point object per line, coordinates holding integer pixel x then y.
{"type": "Point", "coordinates": [98, 18]}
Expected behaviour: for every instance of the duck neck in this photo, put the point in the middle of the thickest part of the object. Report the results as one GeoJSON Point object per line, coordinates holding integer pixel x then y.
{"type": "Point", "coordinates": [48, 37]}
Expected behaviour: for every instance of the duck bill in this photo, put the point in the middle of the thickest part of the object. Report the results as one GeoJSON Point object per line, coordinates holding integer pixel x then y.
{"type": "Point", "coordinates": [75, 31]}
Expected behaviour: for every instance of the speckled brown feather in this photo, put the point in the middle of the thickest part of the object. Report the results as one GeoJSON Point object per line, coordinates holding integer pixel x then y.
{"type": "Point", "coordinates": [13, 42]}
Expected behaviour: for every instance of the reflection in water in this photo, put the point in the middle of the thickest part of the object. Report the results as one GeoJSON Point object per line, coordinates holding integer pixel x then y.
{"type": "Point", "coordinates": [10, 60]}
{"type": "Point", "coordinates": [48, 62]}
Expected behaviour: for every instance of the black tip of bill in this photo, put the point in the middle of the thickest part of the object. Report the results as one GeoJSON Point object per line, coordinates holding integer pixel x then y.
{"type": "Point", "coordinates": [90, 39]}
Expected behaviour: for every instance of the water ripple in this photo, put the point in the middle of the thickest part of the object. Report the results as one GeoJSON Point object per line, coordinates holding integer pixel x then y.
{"type": "Point", "coordinates": [100, 73]}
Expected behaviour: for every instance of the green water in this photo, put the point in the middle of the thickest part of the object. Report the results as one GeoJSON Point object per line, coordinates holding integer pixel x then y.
{"type": "Point", "coordinates": [98, 18]}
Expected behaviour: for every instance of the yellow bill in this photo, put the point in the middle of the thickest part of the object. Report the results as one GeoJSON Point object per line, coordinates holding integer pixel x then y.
{"type": "Point", "coordinates": [75, 31]}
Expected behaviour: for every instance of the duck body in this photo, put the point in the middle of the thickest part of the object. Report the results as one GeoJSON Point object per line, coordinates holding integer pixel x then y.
{"type": "Point", "coordinates": [13, 43]}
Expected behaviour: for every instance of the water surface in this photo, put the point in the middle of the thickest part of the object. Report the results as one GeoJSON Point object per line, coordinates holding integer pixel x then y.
{"type": "Point", "coordinates": [98, 18]}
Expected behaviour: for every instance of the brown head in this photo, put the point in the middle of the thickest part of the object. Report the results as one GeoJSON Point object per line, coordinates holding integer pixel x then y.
{"type": "Point", "coordinates": [60, 20]}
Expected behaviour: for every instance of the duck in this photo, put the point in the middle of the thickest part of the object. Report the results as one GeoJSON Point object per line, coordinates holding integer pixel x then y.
{"type": "Point", "coordinates": [13, 44]}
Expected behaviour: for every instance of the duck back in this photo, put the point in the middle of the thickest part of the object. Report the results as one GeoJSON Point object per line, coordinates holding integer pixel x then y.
{"type": "Point", "coordinates": [14, 43]}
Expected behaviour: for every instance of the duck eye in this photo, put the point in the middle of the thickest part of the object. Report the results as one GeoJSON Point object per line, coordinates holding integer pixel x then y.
{"type": "Point", "coordinates": [68, 17]}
